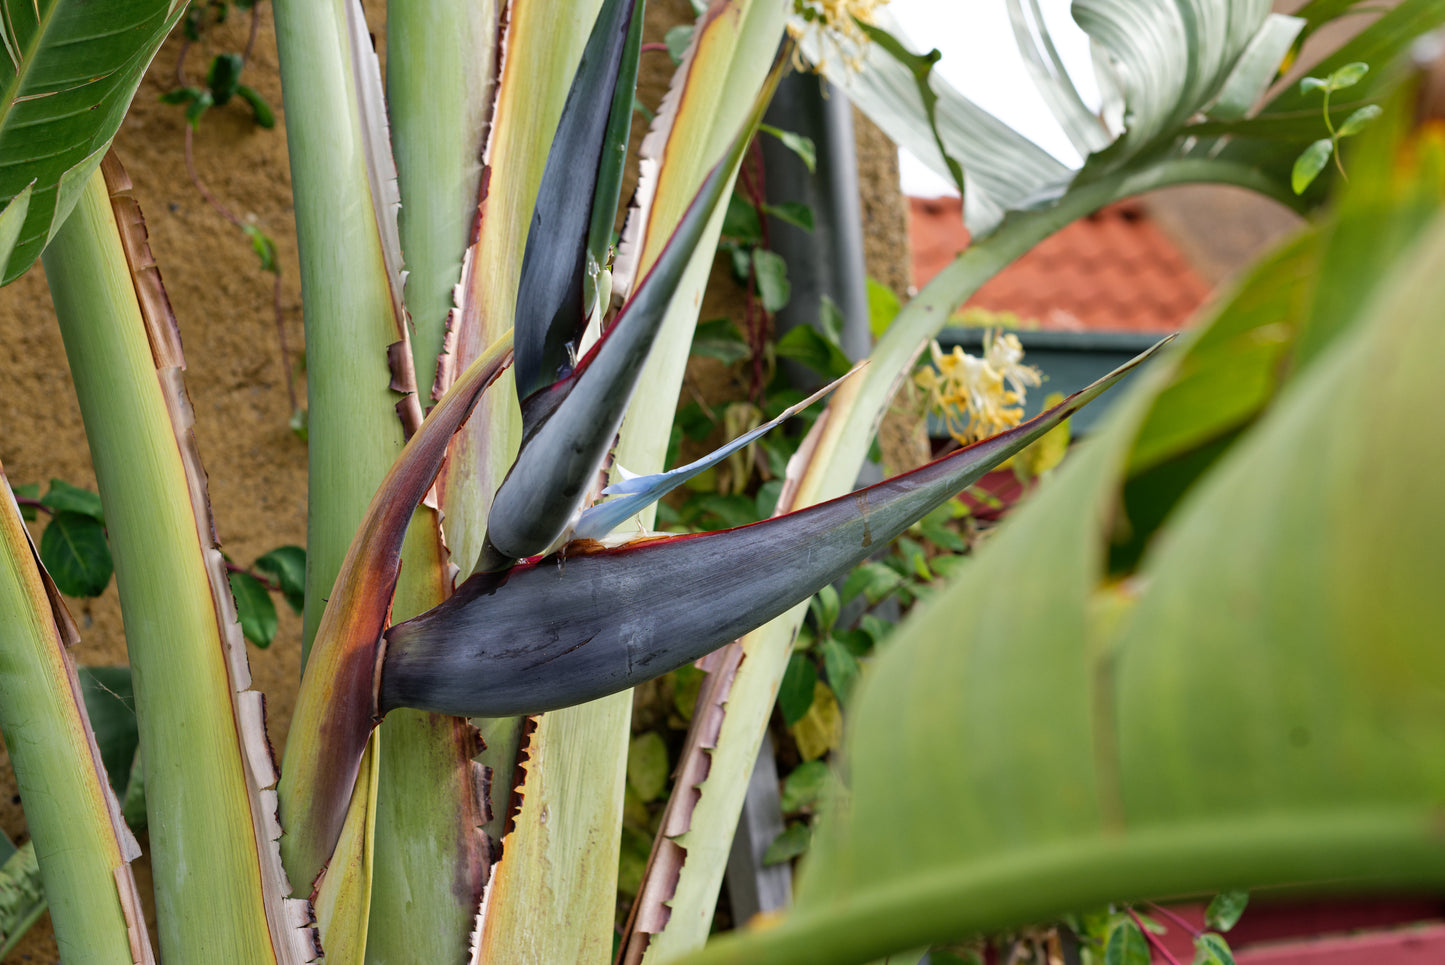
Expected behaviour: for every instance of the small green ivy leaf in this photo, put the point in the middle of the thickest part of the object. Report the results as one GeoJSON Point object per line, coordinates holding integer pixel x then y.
{"type": "Point", "coordinates": [65, 498]}
{"type": "Point", "coordinates": [793, 212]}
{"type": "Point", "coordinates": [254, 609]}
{"type": "Point", "coordinates": [807, 345]}
{"type": "Point", "coordinates": [686, 685]}
{"type": "Point", "coordinates": [678, 39]}
{"type": "Point", "coordinates": [800, 145]}
{"type": "Point", "coordinates": [181, 95]}
{"type": "Point", "coordinates": [1149, 924]}
{"type": "Point", "coordinates": [767, 499]}
{"type": "Point", "coordinates": [727, 512]}
{"type": "Point", "coordinates": [260, 110]}
{"type": "Point", "coordinates": [874, 580]}
{"type": "Point", "coordinates": [719, 339]}
{"type": "Point", "coordinates": [197, 107]}
{"type": "Point", "coordinates": [1359, 120]}
{"type": "Point", "coordinates": [1224, 911]}
{"type": "Point", "coordinates": [795, 693]}
{"type": "Point", "coordinates": [647, 765]}
{"type": "Point", "coordinates": [831, 320]}
{"type": "Point", "coordinates": [263, 246]}
{"type": "Point", "coordinates": [824, 607]}
{"type": "Point", "coordinates": [1310, 163]}
{"type": "Point", "coordinates": [877, 628]}
{"type": "Point", "coordinates": [741, 221]}
{"type": "Point", "coordinates": [1312, 84]}
{"type": "Point", "coordinates": [793, 841]}
{"type": "Point", "coordinates": [842, 668]}
{"type": "Point", "coordinates": [804, 787]}
{"type": "Point", "coordinates": [299, 424]}
{"type": "Point", "coordinates": [858, 641]}
{"type": "Point", "coordinates": [194, 20]}
{"type": "Point", "coordinates": [741, 258]}
{"type": "Point", "coordinates": [772, 275]}
{"type": "Point", "coordinates": [1348, 76]}
{"type": "Point", "coordinates": [74, 550]}
{"type": "Point", "coordinates": [1127, 946]}
{"type": "Point", "coordinates": [223, 77]}
{"type": "Point", "coordinates": [1212, 949]}
{"type": "Point", "coordinates": [287, 565]}
{"type": "Point", "coordinates": [883, 306]}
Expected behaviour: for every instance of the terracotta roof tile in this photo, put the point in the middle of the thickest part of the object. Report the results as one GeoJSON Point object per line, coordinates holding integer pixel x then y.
{"type": "Point", "coordinates": [1111, 271]}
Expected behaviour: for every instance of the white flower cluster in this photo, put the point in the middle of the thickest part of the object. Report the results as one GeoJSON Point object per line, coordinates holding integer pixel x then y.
{"type": "Point", "coordinates": [833, 26]}
{"type": "Point", "coordinates": [979, 397]}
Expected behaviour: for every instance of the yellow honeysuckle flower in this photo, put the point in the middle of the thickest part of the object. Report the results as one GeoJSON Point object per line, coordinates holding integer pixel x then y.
{"type": "Point", "coordinates": [979, 397]}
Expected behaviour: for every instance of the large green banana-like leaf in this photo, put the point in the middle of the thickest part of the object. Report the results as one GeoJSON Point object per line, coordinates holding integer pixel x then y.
{"type": "Point", "coordinates": [1086, 130]}
{"type": "Point", "coordinates": [68, 72]}
{"type": "Point", "coordinates": [1171, 57]}
{"type": "Point", "coordinates": [1260, 704]}
{"type": "Point", "coordinates": [440, 69]}
{"type": "Point", "coordinates": [12, 219]}
{"type": "Point", "coordinates": [1167, 59]}
{"type": "Point", "coordinates": [209, 774]}
{"type": "Point", "coordinates": [1001, 167]}
{"type": "Point", "coordinates": [73, 816]}
{"type": "Point", "coordinates": [1300, 299]}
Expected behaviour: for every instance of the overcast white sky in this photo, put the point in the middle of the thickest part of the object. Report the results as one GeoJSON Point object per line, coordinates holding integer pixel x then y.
{"type": "Point", "coordinates": [981, 59]}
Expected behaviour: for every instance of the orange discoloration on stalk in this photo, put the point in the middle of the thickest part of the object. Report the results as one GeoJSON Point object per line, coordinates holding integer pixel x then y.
{"type": "Point", "coordinates": [19, 551]}
{"type": "Point", "coordinates": [288, 921]}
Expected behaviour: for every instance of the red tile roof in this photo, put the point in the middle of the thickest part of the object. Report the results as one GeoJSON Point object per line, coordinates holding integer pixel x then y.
{"type": "Point", "coordinates": [1112, 271]}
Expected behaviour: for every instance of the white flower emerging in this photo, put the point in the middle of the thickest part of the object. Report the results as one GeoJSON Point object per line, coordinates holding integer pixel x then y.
{"type": "Point", "coordinates": [1005, 356]}
{"type": "Point", "coordinates": [979, 397]}
{"type": "Point", "coordinates": [833, 25]}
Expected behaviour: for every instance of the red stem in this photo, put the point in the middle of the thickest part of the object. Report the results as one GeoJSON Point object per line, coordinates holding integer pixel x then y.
{"type": "Point", "coordinates": [181, 64]}
{"type": "Point", "coordinates": [1153, 940]}
{"type": "Point", "coordinates": [276, 289]}
{"type": "Point", "coordinates": [757, 318]}
{"type": "Point", "coordinates": [273, 585]}
{"type": "Point", "coordinates": [251, 40]}
{"type": "Point", "coordinates": [200, 185]}
{"type": "Point", "coordinates": [281, 339]}
{"type": "Point", "coordinates": [34, 504]}
{"type": "Point", "coordinates": [752, 323]}
{"type": "Point", "coordinates": [1175, 919]}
